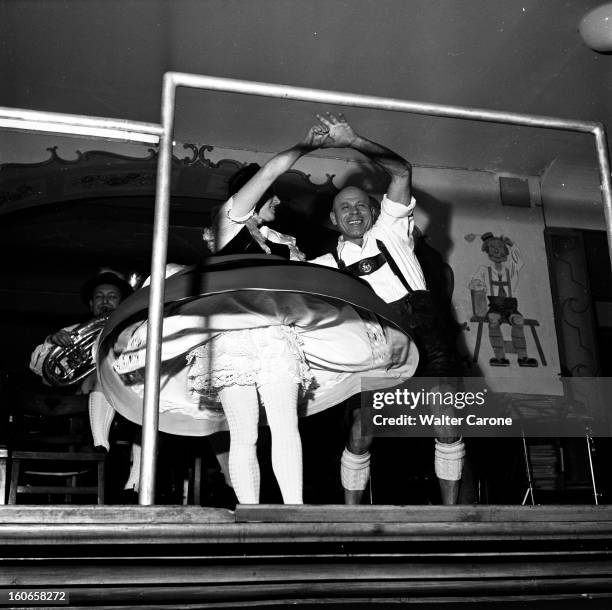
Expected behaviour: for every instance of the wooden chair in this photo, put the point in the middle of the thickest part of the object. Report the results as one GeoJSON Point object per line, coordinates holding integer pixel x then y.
{"type": "Point", "coordinates": [50, 451]}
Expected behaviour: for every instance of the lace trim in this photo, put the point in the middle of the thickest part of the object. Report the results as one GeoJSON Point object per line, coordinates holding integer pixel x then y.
{"type": "Point", "coordinates": [376, 336]}
{"type": "Point", "coordinates": [134, 355]}
{"type": "Point", "coordinates": [248, 357]}
{"type": "Point", "coordinates": [204, 405]}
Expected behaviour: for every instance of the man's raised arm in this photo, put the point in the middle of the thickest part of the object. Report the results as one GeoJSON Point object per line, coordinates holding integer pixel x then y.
{"type": "Point", "coordinates": [341, 135]}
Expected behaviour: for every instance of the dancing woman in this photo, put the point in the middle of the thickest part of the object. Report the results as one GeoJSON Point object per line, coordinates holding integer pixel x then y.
{"type": "Point", "coordinates": [264, 364]}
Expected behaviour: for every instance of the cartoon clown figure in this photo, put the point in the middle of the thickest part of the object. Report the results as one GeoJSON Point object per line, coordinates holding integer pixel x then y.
{"type": "Point", "coordinates": [498, 281]}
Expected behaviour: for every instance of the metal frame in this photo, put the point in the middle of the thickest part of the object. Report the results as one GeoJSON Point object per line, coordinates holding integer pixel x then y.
{"type": "Point", "coordinates": [119, 130]}
{"type": "Point", "coordinates": [130, 131]}
{"type": "Point", "coordinates": [173, 80]}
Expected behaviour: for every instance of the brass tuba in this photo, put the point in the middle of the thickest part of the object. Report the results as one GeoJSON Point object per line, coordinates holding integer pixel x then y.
{"type": "Point", "coordinates": [65, 366]}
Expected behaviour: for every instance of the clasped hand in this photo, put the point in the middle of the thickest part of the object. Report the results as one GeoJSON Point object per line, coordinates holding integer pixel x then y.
{"type": "Point", "coordinates": [331, 132]}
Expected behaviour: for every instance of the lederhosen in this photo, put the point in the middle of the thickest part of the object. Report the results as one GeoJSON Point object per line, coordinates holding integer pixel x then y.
{"type": "Point", "coordinates": [419, 315]}
{"type": "Point", "coordinates": [502, 303]}
{"type": "Point", "coordinates": [243, 243]}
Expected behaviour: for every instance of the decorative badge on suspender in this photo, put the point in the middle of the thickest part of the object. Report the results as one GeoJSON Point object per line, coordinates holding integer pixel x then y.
{"type": "Point", "coordinates": [365, 266]}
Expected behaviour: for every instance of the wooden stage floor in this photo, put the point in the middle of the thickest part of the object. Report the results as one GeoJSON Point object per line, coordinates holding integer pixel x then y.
{"type": "Point", "coordinates": [304, 556]}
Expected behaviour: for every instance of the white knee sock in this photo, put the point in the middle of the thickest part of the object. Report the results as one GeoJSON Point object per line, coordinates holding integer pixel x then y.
{"type": "Point", "coordinates": [133, 481]}
{"type": "Point", "coordinates": [241, 408]}
{"type": "Point", "coordinates": [448, 460]}
{"type": "Point", "coordinates": [354, 470]}
{"type": "Point", "coordinates": [280, 402]}
{"type": "Point", "coordinates": [101, 416]}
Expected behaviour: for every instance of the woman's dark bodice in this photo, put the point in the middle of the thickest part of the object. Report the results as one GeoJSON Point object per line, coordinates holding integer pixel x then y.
{"type": "Point", "coordinates": [243, 243]}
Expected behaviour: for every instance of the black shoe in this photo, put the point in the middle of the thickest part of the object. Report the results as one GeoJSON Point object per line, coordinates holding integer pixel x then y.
{"type": "Point", "coordinates": [100, 449]}
{"type": "Point", "coordinates": [499, 362]}
{"type": "Point", "coordinates": [222, 496]}
{"type": "Point", "coordinates": [128, 496]}
{"type": "Point", "coordinates": [527, 361]}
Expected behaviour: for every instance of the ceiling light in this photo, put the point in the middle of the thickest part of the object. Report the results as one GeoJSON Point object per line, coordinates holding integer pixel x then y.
{"type": "Point", "coordinates": [596, 28]}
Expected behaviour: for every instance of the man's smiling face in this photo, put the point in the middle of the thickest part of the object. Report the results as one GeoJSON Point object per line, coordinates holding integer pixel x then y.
{"type": "Point", "coordinates": [352, 214]}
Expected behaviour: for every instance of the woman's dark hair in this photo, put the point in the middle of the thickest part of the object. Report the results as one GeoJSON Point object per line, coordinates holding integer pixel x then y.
{"type": "Point", "coordinates": [241, 177]}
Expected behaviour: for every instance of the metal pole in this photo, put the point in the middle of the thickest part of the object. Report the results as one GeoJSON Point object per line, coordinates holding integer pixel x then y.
{"type": "Point", "coordinates": [230, 85]}
{"type": "Point", "coordinates": [530, 483]}
{"type": "Point", "coordinates": [156, 299]}
{"type": "Point", "coordinates": [601, 144]}
{"type": "Point", "coordinates": [590, 451]}
{"type": "Point", "coordinates": [78, 125]}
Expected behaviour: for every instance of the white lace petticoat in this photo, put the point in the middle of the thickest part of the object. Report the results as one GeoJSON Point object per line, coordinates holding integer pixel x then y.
{"type": "Point", "coordinates": [205, 347]}
{"type": "Point", "coordinates": [253, 356]}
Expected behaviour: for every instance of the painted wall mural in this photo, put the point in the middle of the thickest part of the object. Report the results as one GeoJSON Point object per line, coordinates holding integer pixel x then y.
{"type": "Point", "coordinates": [502, 289]}
{"type": "Point", "coordinates": [494, 290]}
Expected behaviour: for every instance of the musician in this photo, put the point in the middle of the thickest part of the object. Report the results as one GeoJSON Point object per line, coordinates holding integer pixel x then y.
{"type": "Point", "coordinates": [102, 294]}
{"type": "Point", "coordinates": [381, 252]}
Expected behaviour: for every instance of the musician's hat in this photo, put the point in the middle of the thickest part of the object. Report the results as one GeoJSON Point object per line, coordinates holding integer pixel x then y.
{"type": "Point", "coordinates": [105, 276]}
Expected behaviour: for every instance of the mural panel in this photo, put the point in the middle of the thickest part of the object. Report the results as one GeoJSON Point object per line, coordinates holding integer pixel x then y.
{"type": "Point", "coordinates": [502, 296]}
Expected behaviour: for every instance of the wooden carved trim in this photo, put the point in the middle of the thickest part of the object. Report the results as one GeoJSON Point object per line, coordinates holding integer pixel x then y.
{"type": "Point", "coordinates": [107, 174]}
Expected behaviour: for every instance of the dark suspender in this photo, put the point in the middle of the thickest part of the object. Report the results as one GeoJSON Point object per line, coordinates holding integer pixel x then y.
{"type": "Point", "coordinates": [506, 286]}
{"type": "Point", "coordinates": [338, 260]}
{"type": "Point", "coordinates": [366, 266]}
{"type": "Point", "coordinates": [394, 267]}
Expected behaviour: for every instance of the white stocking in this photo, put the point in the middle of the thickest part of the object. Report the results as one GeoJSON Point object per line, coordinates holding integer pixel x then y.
{"type": "Point", "coordinates": [280, 402]}
{"type": "Point", "coordinates": [133, 481]}
{"type": "Point", "coordinates": [101, 416]}
{"type": "Point", "coordinates": [241, 408]}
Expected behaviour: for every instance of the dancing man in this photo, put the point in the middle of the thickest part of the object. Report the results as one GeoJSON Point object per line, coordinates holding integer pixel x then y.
{"type": "Point", "coordinates": [381, 252]}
